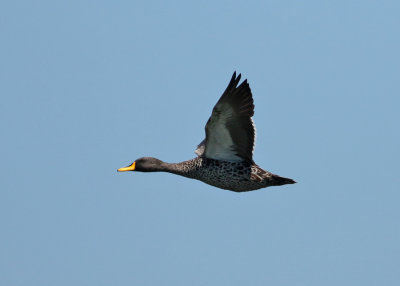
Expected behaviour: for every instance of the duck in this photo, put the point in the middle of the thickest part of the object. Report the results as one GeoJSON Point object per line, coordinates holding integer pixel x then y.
{"type": "Point", "coordinates": [225, 157]}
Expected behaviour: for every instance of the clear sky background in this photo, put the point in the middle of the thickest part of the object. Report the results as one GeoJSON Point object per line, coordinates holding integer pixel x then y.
{"type": "Point", "coordinates": [90, 86]}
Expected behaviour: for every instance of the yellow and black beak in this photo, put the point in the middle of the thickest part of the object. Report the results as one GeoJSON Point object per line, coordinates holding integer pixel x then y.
{"type": "Point", "coordinates": [129, 168]}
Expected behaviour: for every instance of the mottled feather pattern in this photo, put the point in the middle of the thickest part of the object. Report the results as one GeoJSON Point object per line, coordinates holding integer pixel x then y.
{"type": "Point", "coordinates": [234, 176]}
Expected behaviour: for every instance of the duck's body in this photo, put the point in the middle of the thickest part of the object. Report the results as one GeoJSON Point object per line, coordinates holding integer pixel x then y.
{"type": "Point", "coordinates": [233, 176]}
{"type": "Point", "coordinates": [225, 156]}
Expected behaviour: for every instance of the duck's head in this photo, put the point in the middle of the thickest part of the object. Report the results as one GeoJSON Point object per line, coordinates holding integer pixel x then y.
{"type": "Point", "coordinates": [144, 164]}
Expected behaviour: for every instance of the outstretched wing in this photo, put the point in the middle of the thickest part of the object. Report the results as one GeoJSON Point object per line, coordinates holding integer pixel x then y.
{"type": "Point", "coordinates": [230, 131]}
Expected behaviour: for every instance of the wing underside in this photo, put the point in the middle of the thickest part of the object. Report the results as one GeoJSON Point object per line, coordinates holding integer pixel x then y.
{"type": "Point", "coordinates": [230, 131]}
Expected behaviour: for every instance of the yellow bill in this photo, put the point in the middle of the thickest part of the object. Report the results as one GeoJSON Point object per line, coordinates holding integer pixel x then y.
{"type": "Point", "coordinates": [129, 168]}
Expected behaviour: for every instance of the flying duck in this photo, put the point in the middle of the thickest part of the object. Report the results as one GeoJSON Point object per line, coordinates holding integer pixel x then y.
{"type": "Point", "coordinates": [225, 157]}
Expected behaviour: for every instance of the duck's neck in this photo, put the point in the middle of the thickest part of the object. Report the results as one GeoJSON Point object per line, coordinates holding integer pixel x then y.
{"type": "Point", "coordinates": [181, 168]}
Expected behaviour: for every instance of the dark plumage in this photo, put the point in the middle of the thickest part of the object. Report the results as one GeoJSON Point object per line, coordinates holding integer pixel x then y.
{"type": "Point", "coordinates": [225, 156]}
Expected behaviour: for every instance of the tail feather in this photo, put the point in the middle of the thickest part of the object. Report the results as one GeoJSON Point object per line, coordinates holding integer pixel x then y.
{"type": "Point", "coordinates": [279, 181]}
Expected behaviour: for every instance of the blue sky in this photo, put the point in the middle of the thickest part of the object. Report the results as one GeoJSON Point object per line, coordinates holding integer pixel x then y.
{"type": "Point", "coordinates": [90, 86]}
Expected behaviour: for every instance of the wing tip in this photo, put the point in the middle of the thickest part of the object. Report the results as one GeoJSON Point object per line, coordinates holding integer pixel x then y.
{"type": "Point", "coordinates": [235, 80]}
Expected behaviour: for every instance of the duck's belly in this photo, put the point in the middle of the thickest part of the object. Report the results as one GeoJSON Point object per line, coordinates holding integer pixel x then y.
{"type": "Point", "coordinates": [227, 175]}
{"type": "Point", "coordinates": [242, 186]}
